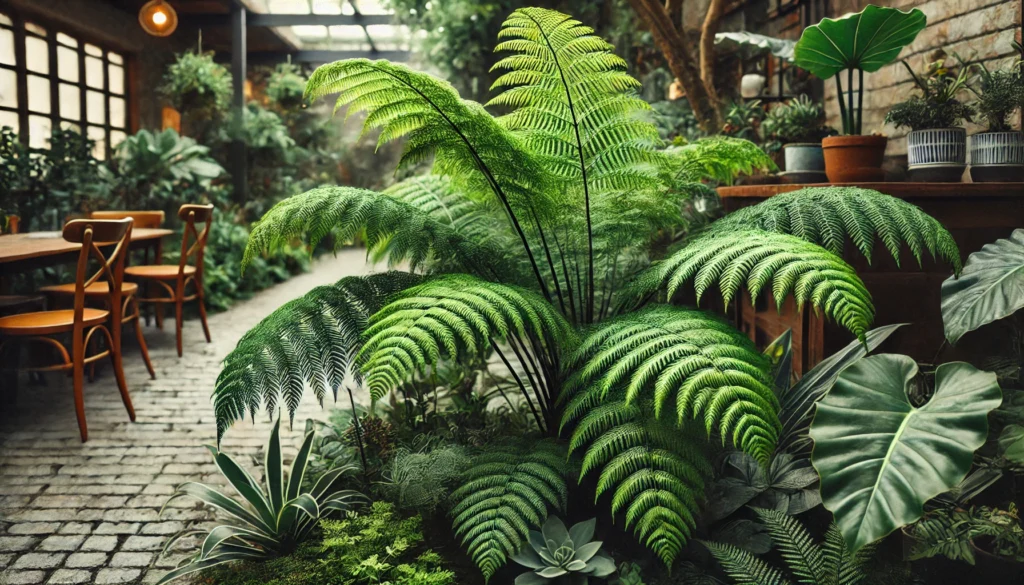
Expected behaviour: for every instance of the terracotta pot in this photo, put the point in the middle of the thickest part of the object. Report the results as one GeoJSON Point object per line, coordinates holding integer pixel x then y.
{"type": "Point", "coordinates": [854, 159]}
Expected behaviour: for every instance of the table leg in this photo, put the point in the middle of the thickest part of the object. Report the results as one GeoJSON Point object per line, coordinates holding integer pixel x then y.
{"type": "Point", "coordinates": [158, 308]}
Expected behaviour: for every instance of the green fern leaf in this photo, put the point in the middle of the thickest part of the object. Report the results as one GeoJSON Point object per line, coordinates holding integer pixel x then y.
{"type": "Point", "coordinates": [683, 360]}
{"type": "Point", "coordinates": [309, 341]}
{"type": "Point", "coordinates": [718, 158]}
{"type": "Point", "coordinates": [828, 216]}
{"type": "Point", "coordinates": [754, 259]}
{"type": "Point", "coordinates": [456, 316]}
{"type": "Point", "coordinates": [744, 568]}
{"type": "Point", "coordinates": [802, 555]}
{"type": "Point", "coordinates": [504, 495]}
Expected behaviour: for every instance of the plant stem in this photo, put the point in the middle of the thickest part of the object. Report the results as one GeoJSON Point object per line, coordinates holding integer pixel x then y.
{"type": "Point", "coordinates": [860, 100]}
{"type": "Point", "coordinates": [849, 100]}
{"type": "Point", "coordinates": [522, 387]}
{"type": "Point", "coordinates": [842, 104]}
{"type": "Point", "coordinates": [359, 436]}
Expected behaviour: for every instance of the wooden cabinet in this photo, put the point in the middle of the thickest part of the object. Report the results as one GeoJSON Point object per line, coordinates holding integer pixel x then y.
{"type": "Point", "coordinates": [974, 213]}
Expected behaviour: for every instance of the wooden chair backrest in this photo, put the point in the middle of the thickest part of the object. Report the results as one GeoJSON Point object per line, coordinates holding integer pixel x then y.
{"type": "Point", "coordinates": [192, 214]}
{"type": "Point", "coordinates": [92, 233]}
{"type": "Point", "coordinates": [143, 219]}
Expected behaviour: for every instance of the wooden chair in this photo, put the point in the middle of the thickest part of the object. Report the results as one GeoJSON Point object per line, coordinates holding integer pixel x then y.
{"type": "Point", "coordinates": [81, 322]}
{"type": "Point", "coordinates": [143, 219]}
{"type": "Point", "coordinates": [13, 304]}
{"type": "Point", "coordinates": [184, 273]}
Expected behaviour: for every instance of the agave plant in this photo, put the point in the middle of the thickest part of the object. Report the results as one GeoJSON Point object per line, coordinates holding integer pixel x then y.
{"type": "Point", "coordinates": [556, 554]}
{"type": "Point", "coordinates": [273, 518]}
{"type": "Point", "coordinates": [537, 239]}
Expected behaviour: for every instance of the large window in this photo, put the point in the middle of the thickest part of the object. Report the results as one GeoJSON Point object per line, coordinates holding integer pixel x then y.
{"type": "Point", "coordinates": [50, 79]}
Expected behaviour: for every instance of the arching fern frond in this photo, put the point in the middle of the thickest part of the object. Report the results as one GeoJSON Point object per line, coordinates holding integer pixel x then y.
{"type": "Point", "coordinates": [744, 567]}
{"type": "Point", "coordinates": [754, 259]}
{"type": "Point", "coordinates": [455, 316]}
{"type": "Point", "coordinates": [310, 341]}
{"type": "Point", "coordinates": [438, 197]}
{"type": "Point", "coordinates": [684, 361]}
{"type": "Point", "coordinates": [506, 493]}
{"type": "Point", "coordinates": [718, 158]}
{"type": "Point", "coordinates": [828, 216]}
{"type": "Point", "coordinates": [653, 470]}
{"type": "Point", "coordinates": [391, 227]}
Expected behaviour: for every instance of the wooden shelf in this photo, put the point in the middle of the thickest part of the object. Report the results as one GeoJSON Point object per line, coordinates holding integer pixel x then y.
{"type": "Point", "coordinates": [901, 190]}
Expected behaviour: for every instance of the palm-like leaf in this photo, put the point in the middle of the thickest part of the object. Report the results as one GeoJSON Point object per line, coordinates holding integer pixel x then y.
{"type": "Point", "coordinates": [684, 360]}
{"type": "Point", "coordinates": [653, 470]}
{"type": "Point", "coordinates": [456, 316]}
{"type": "Point", "coordinates": [755, 258]}
{"type": "Point", "coordinates": [309, 341]}
{"type": "Point", "coordinates": [828, 216]}
{"type": "Point", "coordinates": [504, 495]}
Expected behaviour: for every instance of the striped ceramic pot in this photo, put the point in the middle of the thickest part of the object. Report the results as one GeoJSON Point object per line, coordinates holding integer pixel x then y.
{"type": "Point", "coordinates": [997, 148]}
{"type": "Point", "coordinates": [937, 146]}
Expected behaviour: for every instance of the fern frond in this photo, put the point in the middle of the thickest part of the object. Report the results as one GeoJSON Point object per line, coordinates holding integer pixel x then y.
{"type": "Point", "coordinates": [310, 341]}
{"type": "Point", "coordinates": [756, 258]}
{"type": "Point", "coordinates": [843, 567]}
{"type": "Point", "coordinates": [744, 568]}
{"type": "Point", "coordinates": [439, 198]}
{"type": "Point", "coordinates": [718, 158]}
{"type": "Point", "coordinates": [398, 230]}
{"type": "Point", "coordinates": [828, 216]}
{"type": "Point", "coordinates": [802, 555]}
{"type": "Point", "coordinates": [684, 360]}
{"type": "Point", "coordinates": [456, 316]}
{"type": "Point", "coordinates": [505, 494]}
{"type": "Point", "coordinates": [653, 470]}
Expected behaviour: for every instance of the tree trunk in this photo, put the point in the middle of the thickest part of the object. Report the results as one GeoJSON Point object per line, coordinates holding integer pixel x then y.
{"type": "Point", "coordinates": [707, 46]}
{"type": "Point", "coordinates": [672, 44]}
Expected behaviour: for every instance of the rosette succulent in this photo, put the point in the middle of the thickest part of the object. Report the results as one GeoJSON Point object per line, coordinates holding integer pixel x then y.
{"type": "Point", "coordinates": [557, 555]}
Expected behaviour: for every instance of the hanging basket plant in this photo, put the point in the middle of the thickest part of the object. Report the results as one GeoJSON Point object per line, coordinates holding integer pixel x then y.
{"type": "Point", "coordinates": [196, 85]}
{"type": "Point", "coordinates": [286, 86]}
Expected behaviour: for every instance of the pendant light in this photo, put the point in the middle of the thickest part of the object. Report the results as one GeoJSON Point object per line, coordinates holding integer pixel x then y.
{"type": "Point", "coordinates": [158, 18]}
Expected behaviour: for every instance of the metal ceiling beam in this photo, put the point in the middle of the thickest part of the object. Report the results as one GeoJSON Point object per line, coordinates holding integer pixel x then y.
{"type": "Point", "coordinates": [317, 57]}
{"type": "Point", "coordinates": [275, 20]}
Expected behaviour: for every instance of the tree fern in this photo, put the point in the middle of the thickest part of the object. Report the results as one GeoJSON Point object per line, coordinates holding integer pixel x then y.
{"type": "Point", "coordinates": [436, 196]}
{"type": "Point", "coordinates": [755, 258]}
{"type": "Point", "coordinates": [811, 563]}
{"type": "Point", "coordinates": [507, 492]}
{"type": "Point", "coordinates": [653, 470]}
{"type": "Point", "coordinates": [718, 158]}
{"type": "Point", "coordinates": [309, 341]}
{"type": "Point", "coordinates": [683, 360]}
{"type": "Point", "coordinates": [828, 216]}
{"type": "Point", "coordinates": [456, 316]}
{"type": "Point", "coordinates": [391, 227]}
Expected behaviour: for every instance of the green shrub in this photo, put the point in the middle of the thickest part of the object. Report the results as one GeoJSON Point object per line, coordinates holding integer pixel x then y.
{"type": "Point", "coordinates": [937, 105]}
{"type": "Point", "coordinates": [1000, 93]}
{"type": "Point", "coordinates": [196, 85]}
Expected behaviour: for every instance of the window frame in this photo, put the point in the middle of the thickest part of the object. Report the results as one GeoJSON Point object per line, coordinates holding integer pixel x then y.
{"type": "Point", "coordinates": [21, 33]}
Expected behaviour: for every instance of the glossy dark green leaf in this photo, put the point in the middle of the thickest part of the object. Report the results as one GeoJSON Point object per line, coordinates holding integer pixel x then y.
{"type": "Point", "coordinates": [1011, 443]}
{"type": "Point", "coordinates": [990, 288]}
{"type": "Point", "coordinates": [880, 458]}
{"type": "Point", "coordinates": [867, 40]}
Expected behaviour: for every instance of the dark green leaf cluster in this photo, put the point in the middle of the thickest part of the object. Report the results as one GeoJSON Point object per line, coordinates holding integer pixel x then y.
{"type": "Point", "coordinates": [956, 533]}
{"type": "Point", "coordinates": [195, 84]}
{"type": "Point", "coordinates": [505, 493]}
{"type": "Point", "coordinates": [799, 120]}
{"type": "Point", "coordinates": [718, 158]}
{"type": "Point", "coordinates": [937, 105]}
{"type": "Point", "coordinates": [1000, 94]}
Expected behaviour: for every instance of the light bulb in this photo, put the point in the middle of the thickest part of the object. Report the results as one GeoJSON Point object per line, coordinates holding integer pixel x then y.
{"type": "Point", "coordinates": [159, 18]}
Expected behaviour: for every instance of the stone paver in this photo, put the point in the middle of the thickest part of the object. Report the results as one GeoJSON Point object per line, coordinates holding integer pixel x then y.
{"type": "Point", "coordinates": [90, 513]}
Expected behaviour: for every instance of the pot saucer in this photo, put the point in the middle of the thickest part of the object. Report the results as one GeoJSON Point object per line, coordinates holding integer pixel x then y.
{"type": "Point", "coordinates": [997, 173]}
{"type": "Point", "coordinates": [803, 177]}
{"type": "Point", "coordinates": [936, 173]}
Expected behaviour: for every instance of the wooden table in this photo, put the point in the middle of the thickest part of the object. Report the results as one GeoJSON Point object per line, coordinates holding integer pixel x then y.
{"type": "Point", "coordinates": [974, 213]}
{"type": "Point", "coordinates": [21, 252]}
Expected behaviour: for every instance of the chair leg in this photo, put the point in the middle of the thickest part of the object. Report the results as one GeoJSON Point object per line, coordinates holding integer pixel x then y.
{"type": "Point", "coordinates": [177, 322]}
{"type": "Point", "coordinates": [78, 375]}
{"type": "Point", "coordinates": [142, 340]}
{"type": "Point", "coordinates": [92, 366]}
{"type": "Point", "coordinates": [122, 384]}
{"type": "Point", "coordinates": [202, 314]}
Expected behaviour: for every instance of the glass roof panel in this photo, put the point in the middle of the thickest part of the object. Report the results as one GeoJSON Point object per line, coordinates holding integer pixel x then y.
{"type": "Point", "coordinates": [350, 37]}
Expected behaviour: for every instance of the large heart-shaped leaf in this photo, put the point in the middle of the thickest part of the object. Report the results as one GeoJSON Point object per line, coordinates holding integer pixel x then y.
{"type": "Point", "coordinates": [866, 40]}
{"type": "Point", "coordinates": [990, 288]}
{"type": "Point", "coordinates": [880, 458]}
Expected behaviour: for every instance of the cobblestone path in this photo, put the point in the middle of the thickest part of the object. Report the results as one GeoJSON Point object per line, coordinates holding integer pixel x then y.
{"type": "Point", "coordinates": [89, 513]}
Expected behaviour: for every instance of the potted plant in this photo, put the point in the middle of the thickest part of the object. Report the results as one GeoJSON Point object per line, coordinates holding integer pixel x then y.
{"type": "Point", "coordinates": [864, 41]}
{"type": "Point", "coordinates": [936, 144]}
{"type": "Point", "coordinates": [799, 126]}
{"type": "Point", "coordinates": [998, 154]}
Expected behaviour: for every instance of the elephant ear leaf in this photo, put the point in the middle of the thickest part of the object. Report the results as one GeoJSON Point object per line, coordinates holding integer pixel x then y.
{"type": "Point", "coordinates": [880, 458]}
{"type": "Point", "coordinates": [990, 288]}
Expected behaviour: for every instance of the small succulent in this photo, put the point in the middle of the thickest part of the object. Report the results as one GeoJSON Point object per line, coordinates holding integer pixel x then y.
{"type": "Point", "coordinates": [557, 555]}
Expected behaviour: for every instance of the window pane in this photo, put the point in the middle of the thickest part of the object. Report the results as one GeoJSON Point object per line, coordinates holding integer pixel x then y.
{"type": "Point", "coordinates": [117, 137]}
{"type": "Point", "coordinates": [99, 151]}
{"type": "Point", "coordinates": [71, 126]}
{"type": "Point", "coordinates": [94, 72]}
{"type": "Point", "coordinates": [115, 58]}
{"type": "Point", "coordinates": [70, 102]}
{"type": "Point", "coordinates": [4, 19]}
{"type": "Point", "coordinates": [39, 94]}
{"type": "Point", "coordinates": [115, 79]}
{"type": "Point", "coordinates": [39, 131]}
{"type": "Point", "coordinates": [35, 28]}
{"type": "Point", "coordinates": [66, 40]}
{"type": "Point", "coordinates": [7, 46]}
{"type": "Point", "coordinates": [67, 64]}
{"type": "Point", "coordinates": [93, 50]}
{"type": "Point", "coordinates": [37, 57]}
{"type": "Point", "coordinates": [95, 111]}
{"type": "Point", "coordinates": [9, 119]}
{"type": "Point", "coordinates": [117, 112]}
{"type": "Point", "coordinates": [8, 88]}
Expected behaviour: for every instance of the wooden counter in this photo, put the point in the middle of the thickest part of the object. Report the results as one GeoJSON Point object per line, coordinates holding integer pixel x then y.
{"type": "Point", "coordinates": [974, 213]}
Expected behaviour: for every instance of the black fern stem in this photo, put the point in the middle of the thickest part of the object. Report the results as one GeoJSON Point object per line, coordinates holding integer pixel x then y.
{"type": "Point", "coordinates": [542, 384]}
{"type": "Point", "coordinates": [568, 281]}
{"type": "Point", "coordinates": [522, 387]}
{"type": "Point", "coordinates": [842, 105]}
{"type": "Point", "coordinates": [551, 264]}
{"type": "Point", "coordinates": [490, 179]}
{"type": "Point", "coordinates": [359, 436]}
{"type": "Point", "coordinates": [589, 313]}
{"type": "Point", "coordinates": [542, 400]}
